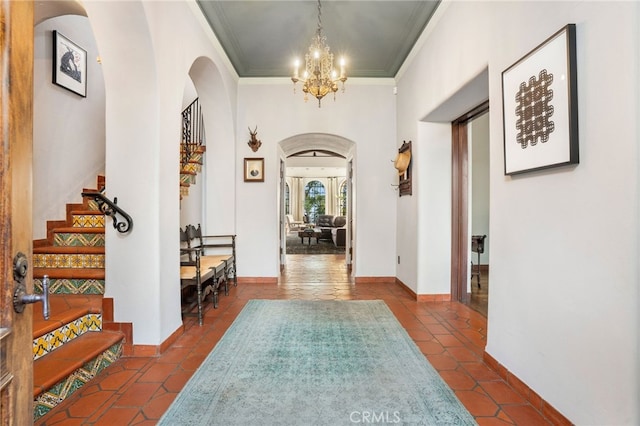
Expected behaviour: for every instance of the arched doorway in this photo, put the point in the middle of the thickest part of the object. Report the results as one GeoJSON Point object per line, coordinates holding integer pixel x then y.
{"type": "Point", "coordinates": [326, 151]}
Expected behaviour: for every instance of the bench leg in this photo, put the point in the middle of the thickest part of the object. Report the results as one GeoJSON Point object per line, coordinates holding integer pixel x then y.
{"type": "Point", "coordinates": [215, 298]}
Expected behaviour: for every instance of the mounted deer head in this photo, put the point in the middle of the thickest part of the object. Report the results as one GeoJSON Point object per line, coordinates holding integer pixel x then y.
{"type": "Point", "coordinates": [254, 143]}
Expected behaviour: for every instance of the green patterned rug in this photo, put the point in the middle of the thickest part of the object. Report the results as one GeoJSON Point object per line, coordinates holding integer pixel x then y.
{"type": "Point", "coordinates": [316, 363]}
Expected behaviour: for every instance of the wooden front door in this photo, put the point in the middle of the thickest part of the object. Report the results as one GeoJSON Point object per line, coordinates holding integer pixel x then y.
{"type": "Point", "coordinates": [16, 126]}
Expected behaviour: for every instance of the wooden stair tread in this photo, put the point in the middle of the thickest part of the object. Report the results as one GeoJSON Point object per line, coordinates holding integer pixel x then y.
{"type": "Point", "coordinates": [59, 364]}
{"type": "Point", "coordinates": [69, 250]}
{"type": "Point", "coordinates": [63, 309]}
{"type": "Point", "coordinates": [87, 213]}
{"type": "Point", "coordinates": [57, 320]}
{"type": "Point", "coordinates": [79, 230]}
{"type": "Point", "coordinates": [70, 273]}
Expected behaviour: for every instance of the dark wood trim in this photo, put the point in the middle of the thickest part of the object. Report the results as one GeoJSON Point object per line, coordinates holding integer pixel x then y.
{"type": "Point", "coordinates": [474, 113]}
{"type": "Point", "coordinates": [459, 210]}
{"type": "Point", "coordinates": [460, 201]}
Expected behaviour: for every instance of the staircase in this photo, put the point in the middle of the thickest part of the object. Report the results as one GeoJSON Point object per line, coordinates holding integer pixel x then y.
{"type": "Point", "coordinates": [190, 166]}
{"type": "Point", "coordinates": [192, 146]}
{"type": "Point", "coordinates": [79, 339]}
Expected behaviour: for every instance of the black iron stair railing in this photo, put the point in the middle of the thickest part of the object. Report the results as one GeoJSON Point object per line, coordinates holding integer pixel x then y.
{"type": "Point", "coordinates": [192, 131]}
{"type": "Point", "coordinates": [111, 209]}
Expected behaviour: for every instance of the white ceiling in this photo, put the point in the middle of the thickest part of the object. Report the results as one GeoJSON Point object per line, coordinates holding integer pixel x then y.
{"type": "Point", "coordinates": [319, 166]}
{"type": "Point", "coordinates": [262, 38]}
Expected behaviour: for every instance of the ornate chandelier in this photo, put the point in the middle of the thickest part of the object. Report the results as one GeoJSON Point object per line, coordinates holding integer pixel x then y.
{"type": "Point", "coordinates": [319, 77]}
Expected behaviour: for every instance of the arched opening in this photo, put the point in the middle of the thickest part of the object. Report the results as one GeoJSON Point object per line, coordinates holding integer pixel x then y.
{"type": "Point", "coordinates": [318, 191]}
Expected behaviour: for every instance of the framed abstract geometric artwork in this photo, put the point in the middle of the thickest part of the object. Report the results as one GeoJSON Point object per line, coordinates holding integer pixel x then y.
{"type": "Point", "coordinates": [69, 65]}
{"type": "Point", "coordinates": [540, 106]}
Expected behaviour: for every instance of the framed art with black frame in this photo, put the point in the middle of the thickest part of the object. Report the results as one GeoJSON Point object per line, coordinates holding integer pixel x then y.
{"type": "Point", "coordinates": [254, 169]}
{"type": "Point", "coordinates": [540, 106]}
{"type": "Point", "coordinates": [69, 65]}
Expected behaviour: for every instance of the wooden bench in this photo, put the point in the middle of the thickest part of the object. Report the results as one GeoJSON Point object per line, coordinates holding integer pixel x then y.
{"type": "Point", "coordinates": [206, 272]}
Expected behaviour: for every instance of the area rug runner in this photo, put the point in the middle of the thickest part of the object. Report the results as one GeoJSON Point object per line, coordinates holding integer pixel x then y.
{"type": "Point", "coordinates": [293, 362]}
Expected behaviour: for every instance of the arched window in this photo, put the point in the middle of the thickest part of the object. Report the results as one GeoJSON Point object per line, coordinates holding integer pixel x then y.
{"type": "Point", "coordinates": [314, 200]}
{"type": "Point", "coordinates": [342, 203]}
{"type": "Point", "coordinates": [287, 199]}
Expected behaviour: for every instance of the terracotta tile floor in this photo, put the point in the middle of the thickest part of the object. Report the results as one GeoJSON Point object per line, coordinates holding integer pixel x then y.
{"type": "Point", "coordinates": [137, 391]}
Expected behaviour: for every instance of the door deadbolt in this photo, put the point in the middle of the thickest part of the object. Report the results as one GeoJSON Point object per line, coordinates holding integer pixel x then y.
{"type": "Point", "coordinates": [20, 267]}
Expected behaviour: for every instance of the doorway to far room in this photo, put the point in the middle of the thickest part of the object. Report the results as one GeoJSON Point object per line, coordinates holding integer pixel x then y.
{"type": "Point", "coordinates": [315, 203]}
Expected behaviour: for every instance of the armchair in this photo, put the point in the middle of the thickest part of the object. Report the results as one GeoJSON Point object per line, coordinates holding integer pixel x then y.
{"type": "Point", "coordinates": [293, 225]}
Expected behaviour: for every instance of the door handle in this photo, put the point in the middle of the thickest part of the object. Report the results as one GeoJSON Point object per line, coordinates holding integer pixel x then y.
{"type": "Point", "coordinates": [20, 296]}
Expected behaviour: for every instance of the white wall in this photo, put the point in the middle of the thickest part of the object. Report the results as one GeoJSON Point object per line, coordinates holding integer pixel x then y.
{"type": "Point", "coordinates": [563, 312]}
{"type": "Point", "coordinates": [364, 114]}
{"type": "Point", "coordinates": [68, 130]}
{"type": "Point", "coordinates": [143, 135]}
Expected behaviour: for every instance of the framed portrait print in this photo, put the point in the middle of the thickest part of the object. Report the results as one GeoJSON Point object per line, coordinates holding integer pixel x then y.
{"type": "Point", "coordinates": [254, 169]}
{"type": "Point", "coordinates": [540, 106]}
{"type": "Point", "coordinates": [69, 65]}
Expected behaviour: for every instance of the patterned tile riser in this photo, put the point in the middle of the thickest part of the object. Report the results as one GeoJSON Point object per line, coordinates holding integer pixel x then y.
{"type": "Point", "coordinates": [78, 240]}
{"type": "Point", "coordinates": [190, 179]}
{"type": "Point", "coordinates": [58, 393]}
{"type": "Point", "coordinates": [92, 205]}
{"type": "Point", "coordinates": [48, 260]}
{"type": "Point", "coordinates": [184, 191]}
{"type": "Point", "coordinates": [58, 337]}
{"type": "Point", "coordinates": [88, 221]}
{"type": "Point", "coordinates": [192, 167]}
{"type": "Point", "coordinates": [70, 286]}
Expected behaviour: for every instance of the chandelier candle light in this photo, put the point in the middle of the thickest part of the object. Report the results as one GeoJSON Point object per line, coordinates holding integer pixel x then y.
{"type": "Point", "coordinates": [319, 76]}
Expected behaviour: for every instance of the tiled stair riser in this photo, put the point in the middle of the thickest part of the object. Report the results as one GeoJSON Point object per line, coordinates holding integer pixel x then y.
{"type": "Point", "coordinates": [78, 239]}
{"type": "Point", "coordinates": [62, 390]}
{"type": "Point", "coordinates": [57, 260]}
{"type": "Point", "coordinates": [93, 205]}
{"type": "Point", "coordinates": [188, 178]}
{"type": "Point", "coordinates": [192, 167]}
{"type": "Point", "coordinates": [58, 337]}
{"type": "Point", "coordinates": [71, 286]}
{"type": "Point", "coordinates": [88, 221]}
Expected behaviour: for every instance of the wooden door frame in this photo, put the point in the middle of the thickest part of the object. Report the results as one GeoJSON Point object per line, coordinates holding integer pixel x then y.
{"type": "Point", "coordinates": [16, 158]}
{"type": "Point", "coordinates": [460, 201]}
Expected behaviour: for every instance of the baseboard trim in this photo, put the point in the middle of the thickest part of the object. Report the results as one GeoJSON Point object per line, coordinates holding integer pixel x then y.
{"type": "Point", "coordinates": [146, 351]}
{"type": "Point", "coordinates": [445, 297]}
{"type": "Point", "coordinates": [257, 280]}
{"type": "Point", "coordinates": [374, 280]}
{"type": "Point", "coordinates": [547, 410]}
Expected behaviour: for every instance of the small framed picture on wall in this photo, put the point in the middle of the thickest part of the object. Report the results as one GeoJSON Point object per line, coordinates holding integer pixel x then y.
{"type": "Point", "coordinates": [69, 65]}
{"type": "Point", "coordinates": [254, 169]}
